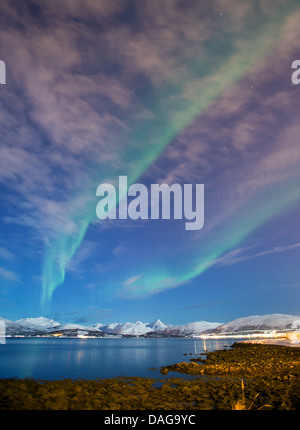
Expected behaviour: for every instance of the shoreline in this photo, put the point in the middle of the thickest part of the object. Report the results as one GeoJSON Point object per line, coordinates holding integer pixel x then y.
{"type": "Point", "coordinates": [275, 342]}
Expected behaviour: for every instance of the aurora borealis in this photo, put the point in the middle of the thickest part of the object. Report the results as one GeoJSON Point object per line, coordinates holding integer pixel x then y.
{"type": "Point", "coordinates": [169, 92]}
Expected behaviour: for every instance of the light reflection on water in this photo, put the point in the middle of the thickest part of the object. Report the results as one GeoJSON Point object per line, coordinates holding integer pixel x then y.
{"type": "Point", "coordinates": [49, 358]}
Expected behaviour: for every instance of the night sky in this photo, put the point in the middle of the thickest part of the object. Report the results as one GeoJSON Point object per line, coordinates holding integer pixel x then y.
{"type": "Point", "coordinates": [165, 91]}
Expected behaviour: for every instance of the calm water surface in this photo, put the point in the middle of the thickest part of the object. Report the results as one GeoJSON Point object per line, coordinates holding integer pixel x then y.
{"type": "Point", "coordinates": [50, 359]}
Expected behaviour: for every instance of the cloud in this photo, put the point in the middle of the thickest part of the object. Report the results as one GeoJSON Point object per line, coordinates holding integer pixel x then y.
{"type": "Point", "coordinates": [9, 275]}
{"type": "Point", "coordinates": [120, 250]}
{"type": "Point", "coordinates": [210, 304]}
{"type": "Point", "coordinates": [6, 254]}
{"type": "Point", "coordinates": [238, 255]}
{"type": "Point", "coordinates": [245, 143]}
{"type": "Point", "coordinates": [131, 280]}
{"type": "Point", "coordinates": [144, 286]}
{"type": "Point", "coordinates": [65, 107]}
{"type": "Point", "coordinates": [84, 101]}
{"type": "Point", "coordinates": [85, 252]}
{"type": "Point", "coordinates": [96, 314]}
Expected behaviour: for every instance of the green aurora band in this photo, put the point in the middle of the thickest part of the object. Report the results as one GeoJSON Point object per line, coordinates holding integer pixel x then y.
{"type": "Point", "coordinates": [180, 111]}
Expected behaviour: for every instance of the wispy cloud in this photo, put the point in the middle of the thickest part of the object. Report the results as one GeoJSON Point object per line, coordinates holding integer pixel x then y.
{"type": "Point", "coordinates": [145, 286]}
{"type": "Point", "coordinates": [104, 98]}
{"type": "Point", "coordinates": [5, 254]}
{"type": "Point", "coordinates": [131, 280]}
{"type": "Point", "coordinates": [9, 275]}
{"type": "Point", "coordinates": [242, 254]}
{"type": "Point", "coordinates": [244, 145]}
{"type": "Point", "coordinates": [85, 252]}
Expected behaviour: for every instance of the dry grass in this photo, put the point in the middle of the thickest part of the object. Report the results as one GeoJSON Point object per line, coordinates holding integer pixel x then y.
{"type": "Point", "coordinates": [241, 404]}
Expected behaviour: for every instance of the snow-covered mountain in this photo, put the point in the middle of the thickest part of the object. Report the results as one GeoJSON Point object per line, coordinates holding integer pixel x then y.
{"type": "Point", "coordinates": [261, 322]}
{"type": "Point", "coordinates": [41, 325]}
{"type": "Point", "coordinates": [11, 327]}
{"type": "Point", "coordinates": [71, 326]}
{"type": "Point", "coordinates": [29, 325]}
{"type": "Point", "coordinates": [137, 329]}
{"type": "Point", "coordinates": [193, 328]}
{"type": "Point", "coordinates": [140, 328]}
{"type": "Point", "coordinates": [158, 325]}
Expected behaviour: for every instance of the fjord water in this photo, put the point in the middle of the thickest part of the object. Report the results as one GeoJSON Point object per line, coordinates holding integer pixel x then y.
{"type": "Point", "coordinates": [52, 359]}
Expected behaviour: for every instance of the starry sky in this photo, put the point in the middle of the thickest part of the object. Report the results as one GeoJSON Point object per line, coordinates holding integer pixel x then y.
{"type": "Point", "coordinates": [165, 91]}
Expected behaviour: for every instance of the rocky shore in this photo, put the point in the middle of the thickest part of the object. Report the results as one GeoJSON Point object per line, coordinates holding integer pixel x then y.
{"type": "Point", "coordinates": [246, 376]}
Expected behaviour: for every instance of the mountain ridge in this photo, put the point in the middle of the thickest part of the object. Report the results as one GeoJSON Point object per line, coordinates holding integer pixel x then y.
{"type": "Point", "coordinates": [42, 325]}
{"type": "Point", "coordinates": [260, 322]}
